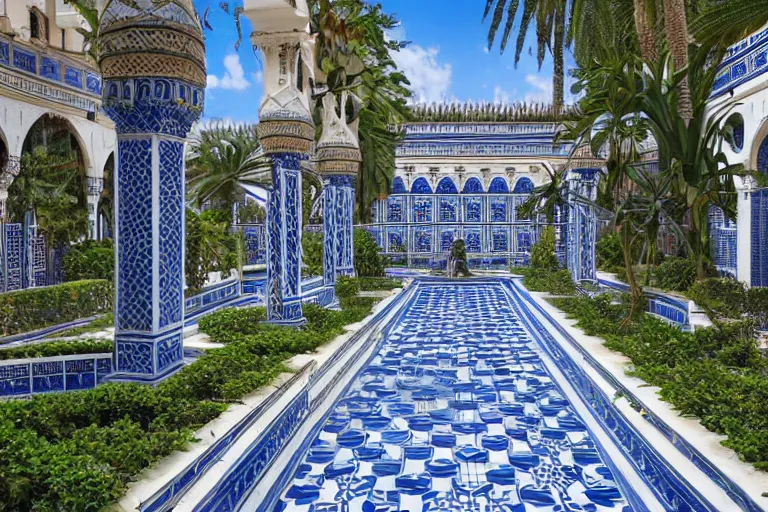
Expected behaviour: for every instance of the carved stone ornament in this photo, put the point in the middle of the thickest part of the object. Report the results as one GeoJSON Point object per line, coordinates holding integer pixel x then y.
{"type": "Point", "coordinates": [146, 38]}
{"type": "Point", "coordinates": [337, 149]}
{"type": "Point", "coordinates": [285, 121]}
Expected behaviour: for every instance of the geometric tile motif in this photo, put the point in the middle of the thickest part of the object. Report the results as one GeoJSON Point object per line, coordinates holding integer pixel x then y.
{"type": "Point", "coordinates": [73, 77]}
{"type": "Point", "coordinates": [50, 68]}
{"type": "Point", "coordinates": [134, 356]}
{"type": "Point", "coordinates": [135, 235]}
{"type": "Point", "coordinates": [24, 60]}
{"type": "Point", "coordinates": [5, 53]}
{"type": "Point", "coordinates": [293, 197]}
{"type": "Point", "coordinates": [275, 230]}
{"type": "Point", "coordinates": [170, 225]}
{"type": "Point", "coordinates": [759, 236]}
{"type": "Point", "coordinates": [455, 411]}
{"type": "Point", "coordinates": [169, 351]}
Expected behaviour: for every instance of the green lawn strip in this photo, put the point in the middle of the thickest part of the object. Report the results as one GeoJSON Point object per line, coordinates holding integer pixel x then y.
{"type": "Point", "coordinates": [56, 348]}
{"type": "Point", "coordinates": [99, 324]}
{"type": "Point", "coordinates": [717, 374]}
{"type": "Point", "coordinates": [78, 451]}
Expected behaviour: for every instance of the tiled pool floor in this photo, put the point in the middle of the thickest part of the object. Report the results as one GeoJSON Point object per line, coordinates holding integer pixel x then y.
{"type": "Point", "coordinates": [454, 412]}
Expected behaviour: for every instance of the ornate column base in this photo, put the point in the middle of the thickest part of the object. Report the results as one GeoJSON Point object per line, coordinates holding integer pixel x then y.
{"type": "Point", "coordinates": [284, 241]}
{"type": "Point", "coordinates": [147, 358]}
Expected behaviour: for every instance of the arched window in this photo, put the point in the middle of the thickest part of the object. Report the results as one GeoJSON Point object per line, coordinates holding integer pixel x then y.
{"type": "Point", "coordinates": [734, 132]}
{"type": "Point", "coordinates": [421, 186]}
{"type": "Point", "coordinates": [398, 187]}
{"type": "Point", "coordinates": [498, 186]}
{"type": "Point", "coordinates": [473, 186]}
{"type": "Point", "coordinates": [762, 156]}
{"type": "Point", "coordinates": [523, 186]}
{"type": "Point", "coordinates": [447, 186]}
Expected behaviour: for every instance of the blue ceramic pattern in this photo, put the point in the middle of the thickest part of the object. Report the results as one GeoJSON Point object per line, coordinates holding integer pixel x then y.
{"type": "Point", "coordinates": [449, 209]}
{"type": "Point", "coordinates": [759, 235]}
{"type": "Point", "coordinates": [170, 225]}
{"type": "Point", "coordinates": [50, 68]}
{"type": "Point", "coordinates": [446, 186]}
{"type": "Point", "coordinates": [473, 240]}
{"type": "Point", "coordinates": [523, 185]}
{"type": "Point", "coordinates": [170, 351]}
{"type": "Point", "coordinates": [93, 83]}
{"type": "Point", "coordinates": [454, 412]}
{"type": "Point", "coordinates": [5, 53]}
{"type": "Point", "coordinates": [421, 186]}
{"type": "Point", "coordinates": [473, 186]}
{"type": "Point", "coordinates": [329, 232]}
{"type": "Point", "coordinates": [255, 244]}
{"type": "Point", "coordinates": [499, 209]}
{"type": "Point", "coordinates": [499, 240]}
{"type": "Point", "coordinates": [746, 61]}
{"type": "Point", "coordinates": [422, 209]}
{"type": "Point", "coordinates": [473, 209]}
{"type": "Point", "coordinates": [53, 374]}
{"type": "Point", "coordinates": [24, 60]}
{"type": "Point", "coordinates": [134, 357]}
{"type": "Point", "coordinates": [498, 186]}
{"type": "Point", "coordinates": [14, 256]}
{"type": "Point", "coordinates": [73, 77]}
{"type": "Point", "coordinates": [134, 187]}
{"type": "Point", "coordinates": [398, 186]}
{"type": "Point", "coordinates": [274, 291]}
{"type": "Point", "coordinates": [395, 209]}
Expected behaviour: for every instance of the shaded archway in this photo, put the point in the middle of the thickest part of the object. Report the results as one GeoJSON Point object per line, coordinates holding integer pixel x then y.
{"type": "Point", "coordinates": [421, 186]}
{"type": "Point", "coordinates": [523, 185]}
{"type": "Point", "coordinates": [473, 186]}
{"type": "Point", "coordinates": [105, 218]}
{"type": "Point", "coordinates": [498, 186]}
{"type": "Point", "coordinates": [447, 186]}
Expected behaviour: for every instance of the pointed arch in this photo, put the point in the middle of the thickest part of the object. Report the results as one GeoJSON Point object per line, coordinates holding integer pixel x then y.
{"type": "Point", "coordinates": [447, 186]}
{"type": "Point", "coordinates": [523, 185]}
{"type": "Point", "coordinates": [473, 186]}
{"type": "Point", "coordinates": [398, 187]}
{"type": "Point", "coordinates": [498, 186]}
{"type": "Point", "coordinates": [421, 186]}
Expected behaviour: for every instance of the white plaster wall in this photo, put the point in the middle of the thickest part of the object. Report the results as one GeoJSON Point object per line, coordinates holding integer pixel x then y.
{"type": "Point", "coordinates": [18, 13]}
{"type": "Point", "coordinates": [97, 140]}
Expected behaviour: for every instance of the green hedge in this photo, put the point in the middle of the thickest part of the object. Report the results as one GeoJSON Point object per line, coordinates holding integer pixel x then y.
{"type": "Point", "coordinates": [370, 284]}
{"type": "Point", "coordinates": [347, 287]}
{"type": "Point", "coordinates": [556, 282]}
{"type": "Point", "coordinates": [730, 299]}
{"type": "Point", "coordinates": [35, 308]}
{"type": "Point", "coordinates": [716, 374]}
{"type": "Point", "coordinates": [56, 348]}
{"type": "Point", "coordinates": [675, 274]}
{"type": "Point", "coordinates": [77, 451]}
{"type": "Point", "coordinates": [89, 260]}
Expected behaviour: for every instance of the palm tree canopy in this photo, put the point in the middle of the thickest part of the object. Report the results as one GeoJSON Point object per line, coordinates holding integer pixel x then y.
{"type": "Point", "coordinates": [223, 157]}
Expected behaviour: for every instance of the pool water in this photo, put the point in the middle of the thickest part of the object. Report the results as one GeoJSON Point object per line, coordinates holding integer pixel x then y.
{"type": "Point", "coordinates": [455, 411]}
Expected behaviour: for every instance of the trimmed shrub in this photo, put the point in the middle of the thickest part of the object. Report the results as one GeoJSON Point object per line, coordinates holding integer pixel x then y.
{"type": "Point", "coordinates": [368, 261]}
{"type": "Point", "coordinates": [347, 287]}
{"type": "Point", "coordinates": [610, 254]}
{"type": "Point", "coordinates": [558, 282]}
{"type": "Point", "coordinates": [719, 297]}
{"type": "Point", "coordinates": [676, 274]}
{"type": "Point", "coordinates": [56, 348]}
{"type": "Point", "coordinates": [715, 374]}
{"type": "Point", "coordinates": [89, 260]}
{"type": "Point", "coordinates": [312, 254]}
{"type": "Point", "coordinates": [35, 308]}
{"type": "Point", "coordinates": [370, 284]}
{"type": "Point", "coordinates": [543, 252]}
{"type": "Point", "coordinates": [227, 324]}
{"type": "Point", "coordinates": [79, 450]}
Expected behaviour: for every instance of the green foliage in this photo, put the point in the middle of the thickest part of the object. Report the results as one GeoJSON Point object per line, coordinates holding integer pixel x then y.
{"type": "Point", "coordinates": [716, 374]}
{"type": "Point", "coordinates": [210, 247]}
{"type": "Point", "coordinates": [727, 298]}
{"type": "Point", "coordinates": [369, 284]}
{"type": "Point", "coordinates": [312, 254]}
{"type": "Point", "coordinates": [676, 274]}
{"type": "Point", "coordinates": [35, 308]}
{"type": "Point", "coordinates": [227, 324]}
{"type": "Point", "coordinates": [347, 287]}
{"type": "Point", "coordinates": [56, 348]}
{"type": "Point", "coordinates": [368, 261]}
{"type": "Point", "coordinates": [555, 282]}
{"type": "Point", "coordinates": [90, 260]}
{"type": "Point", "coordinates": [79, 450]}
{"type": "Point", "coordinates": [543, 252]}
{"type": "Point", "coordinates": [610, 254]}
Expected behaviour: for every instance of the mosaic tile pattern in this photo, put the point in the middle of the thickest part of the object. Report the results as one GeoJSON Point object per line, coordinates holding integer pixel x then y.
{"type": "Point", "coordinates": [472, 186]}
{"type": "Point", "coordinates": [454, 412]}
{"type": "Point", "coordinates": [498, 186]}
{"type": "Point", "coordinates": [134, 292]}
{"type": "Point", "coordinates": [170, 225]}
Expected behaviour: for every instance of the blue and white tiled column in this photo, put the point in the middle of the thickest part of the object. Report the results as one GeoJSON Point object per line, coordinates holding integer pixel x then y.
{"type": "Point", "coordinates": [582, 224]}
{"type": "Point", "coordinates": [338, 209]}
{"type": "Point", "coordinates": [154, 72]}
{"type": "Point", "coordinates": [286, 133]}
{"type": "Point", "coordinates": [284, 217]}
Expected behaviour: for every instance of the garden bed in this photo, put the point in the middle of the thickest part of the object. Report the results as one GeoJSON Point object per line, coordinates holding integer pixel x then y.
{"type": "Point", "coordinates": [79, 450]}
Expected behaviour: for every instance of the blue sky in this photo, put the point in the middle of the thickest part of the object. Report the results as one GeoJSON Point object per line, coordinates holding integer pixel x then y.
{"type": "Point", "coordinates": [447, 59]}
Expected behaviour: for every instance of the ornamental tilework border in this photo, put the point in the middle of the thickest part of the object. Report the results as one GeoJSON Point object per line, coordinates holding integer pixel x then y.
{"type": "Point", "coordinates": [134, 356]}
{"type": "Point", "coordinates": [171, 231]}
{"type": "Point", "coordinates": [274, 290]}
{"type": "Point", "coordinates": [134, 285]}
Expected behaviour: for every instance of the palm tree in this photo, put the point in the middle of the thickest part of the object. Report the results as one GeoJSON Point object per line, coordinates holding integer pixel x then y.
{"type": "Point", "coordinates": [646, 36]}
{"type": "Point", "coordinates": [676, 30]}
{"type": "Point", "coordinates": [726, 23]}
{"type": "Point", "coordinates": [221, 159]}
{"type": "Point", "coordinates": [550, 33]}
{"type": "Point", "coordinates": [546, 199]}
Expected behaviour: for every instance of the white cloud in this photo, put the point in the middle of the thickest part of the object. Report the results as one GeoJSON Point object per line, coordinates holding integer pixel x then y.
{"type": "Point", "coordinates": [500, 95]}
{"type": "Point", "coordinates": [234, 76]}
{"type": "Point", "coordinates": [258, 77]}
{"type": "Point", "coordinates": [541, 91]}
{"type": "Point", "coordinates": [430, 80]}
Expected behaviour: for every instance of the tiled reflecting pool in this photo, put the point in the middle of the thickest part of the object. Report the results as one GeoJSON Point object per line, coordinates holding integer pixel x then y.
{"type": "Point", "coordinates": [455, 411]}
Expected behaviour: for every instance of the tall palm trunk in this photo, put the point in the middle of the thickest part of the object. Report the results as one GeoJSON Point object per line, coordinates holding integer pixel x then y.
{"type": "Point", "coordinates": [676, 30]}
{"type": "Point", "coordinates": [559, 61]}
{"type": "Point", "coordinates": [645, 33]}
